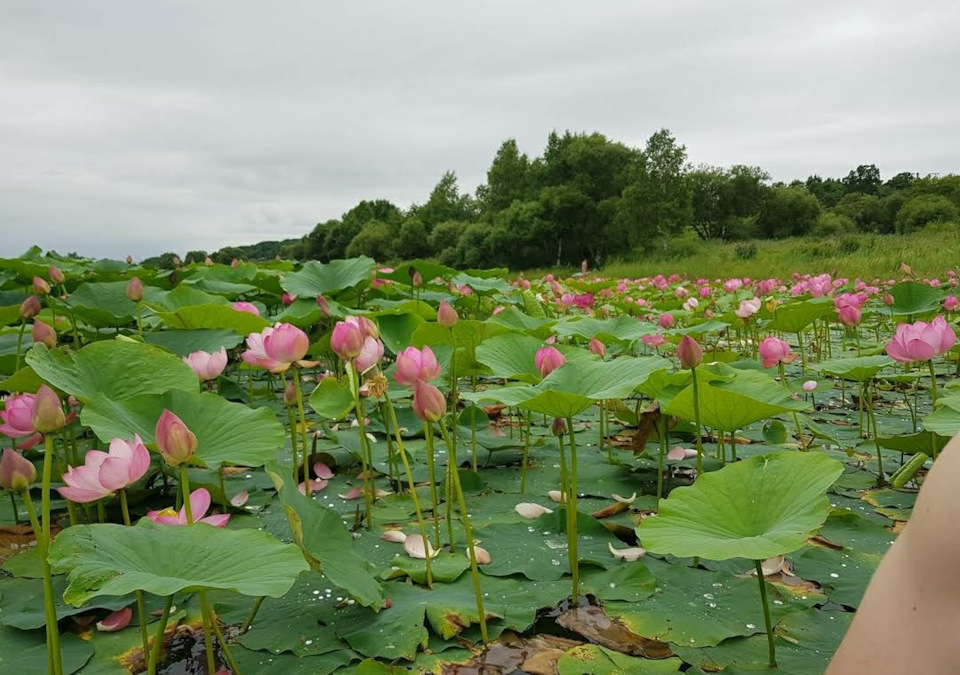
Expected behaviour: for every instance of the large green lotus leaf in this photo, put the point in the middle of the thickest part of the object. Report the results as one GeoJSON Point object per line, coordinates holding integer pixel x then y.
{"type": "Point", "coordinates": [428, 270]}
{"type": "Point", "coordinates": [730, 405]}
{"type": "Point", "coordinates": [514, 320]}
{"type": "Point", "coordinates": [793, 317]}
{"type": "Point", "coordinates": [757, 508]}
{"type": "Point", "coordinates": [212, 316]}
{"type": "Point", "coordinates": [183, 296]}
{"type": "Point", "coordinates": [109, 559]}
{"type": "Point", "coordinates": [396, 330]}
{"type": "Point", "coordinates": [113, 368]}
{"type": "Point", "coordinates": [857, 368]}
{"type": "Point", "coordinates": [513, 356]}
{"type": "Point", "coordinates": [694, 606]}
{"type": "Point", "coordinates": [945, 419]}
{"type": "Point", "coordinates": [326, 542]}
{"type": "Point", "coordinates": [698, 329]}
{"type": "Point", "coordinates": [316, 278]}
{"type": "Point", "coordinates": [21, 603]}
{"type": "Point", "coordinates": [331, 399]}
{"type": "Point", "coordinates": [227, 433]}
{"type": "Point", "coordinates": [105, 303]}
{"type": "Point", "coordinates": [843, 575]}
{"type": "Point", "coordinates": [924, 441]}
{"type": "Point", "coordinates": [598, 660]}
{"type": "Point", "coordinates": [599, 380]}
{"type": "Point", "coordinates": [9, 315]}
{"type": "Point", "coordinates": [271, 663]}
{"type": "Point", "coordinates": [483, 285]}
{"type": "Point", "coordinates": [911, 297]}
{"type": "Point", "coordinates": [623, 328]}
{"type": "Point", "coordinates": [184, 342]}
{"type": "Point", "coordinates": [23, 652]}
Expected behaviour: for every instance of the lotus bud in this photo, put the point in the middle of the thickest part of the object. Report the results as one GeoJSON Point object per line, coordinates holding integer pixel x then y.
{"type": "Point", "coordinates": [689, 352]}
{"type": "Point", "coordinates": [888, 299]}
{"type": "Point", "coordinates": [447, 315]}
{"type": "Point", "coordinates": [17, 473]}
{"type": "Point", "coordinates": [324, 306]}
{"type": "Point", "coordinates": [129, 259]}
{"type": "Point", "coordinates": [666, 320]}
{"type": "Point", "coordinates": [135, 289]}
{"type": "Point", "coordinates": [347, 340]}
{"type": "Point", "coordinates": [29, 308]}
{"type": "Point", "coordinates": [429, 403]}
{"type": "Point", "coordinates": [208, 261]}
{"type": "Point", "coordinates": [810, 385]}
{"type": "Point", "coordinates": [56, 276]}
{"type": "Point", "coordinates": [288, 298]}
{"type": "Point", "coordinates": [416, 280]}
{"type": "Point", "coordinates": [548, 359]}
{"type": "Point", "coordinates": [176, 443]}
{"type": "Point", "coordinates": [44, 333]}
{"type": "Point", "coordinates": [48, 414]}
{"type": "Point", "coordinates": [559, 426]}
{"type": "Point", "coordinates": [597, 347]}
{"type": "Point", "coordinates": [40, 286]}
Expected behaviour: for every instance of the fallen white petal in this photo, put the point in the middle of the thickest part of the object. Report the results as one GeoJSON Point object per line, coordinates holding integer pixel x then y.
{"type": "Point", "coordinates": [530, 510]}
{"type": "Point", "coordinates": [629, 554]}
{"type": "Point", "coordinates": [624, 500]}
{"type": "Point", "coordinates": [556, 496]}
{"type": "Point", "coordinates": [396, 536]}
{"type": "Point", "coordinates": [483, 555]}
{"type": "Point", "coordinates": [417, 548]}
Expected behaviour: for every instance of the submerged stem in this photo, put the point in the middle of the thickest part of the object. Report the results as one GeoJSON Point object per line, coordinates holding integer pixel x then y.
{"type": "Point", "coordinates": [158, 640]}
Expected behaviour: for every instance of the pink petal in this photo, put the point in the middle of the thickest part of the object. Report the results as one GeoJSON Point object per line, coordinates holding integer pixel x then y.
{"type": "Point", "coordinates": [321, 470]}
{"type": "Point", "coordinates": [81, 495]}
{"type": "Point", "coordinates": [116, 621]}
{"type": "Point", "coordinates": [355, 493]}
{"type": "Point", "coordinates": [199, 503]}
{"type": "Point", "coordinates": [240, 498]}
{"type": "Point", "coordinates": [115, 473]}
{"type": "Point", "coordinates": [315, 486]}
{"type": "Point", "coordinates": [415, 548]}
{"type": "Point", "coordinates": [218, 520]}
{"type": "Point", "coordinates": [531, 511]}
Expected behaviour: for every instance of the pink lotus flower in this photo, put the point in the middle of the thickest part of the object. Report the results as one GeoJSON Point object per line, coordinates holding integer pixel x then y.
{"type": "Point", "coordinates": [56, 275]}
{"type": "Point", "coordinates": [548, 359]}
{"type": "Point", "coordinates": [103, 473]}
{"type": "Point", "coordinates": [43, 333]}
{"type": "Point", "coordinates": [17, 473]}
{"type": "Point", "coordinates": [691, 304]}
{"type": "Point", "coordinates": [921, 341]}
{"type": "Point", "coordinates": [248, 307]}
{"type": "Point", "coordinates": [277, 348]}
{"type": "Point", "coordinates": [288, 299]}
{"type": "Point", "coordinates": [414, 365]}
{"type": "Point", "coordinates": [17, 417]}
{"type": "Point", "coordinates": [369, 356]}
{"type": "Point", "coordinates": [848, 308]}
{"type": "Point", "coordinates": [40, 286]}
{"type": "Point", "coordinates": [177, 444]}
{"type": "Point", "coordinates": [135, 289]}
{"type": "Point", "coordinates": [347, 340]}
{"type": "Point", "coordinates": [429, 404]}
{"type": "Point", "coordinates": [773, 351]}
{"type": "Point", "coordinates": [48, 415]}
{"type": "Point", "coordinates": [748, 308]}
{"type": "Point", "coordinates": [666, 321]}
{"type": "Point", "coordinates": [597, 347]}
{"type": "Point", "coordinates": [950, 303]}
{"type": "Point", "coordinates": [654, 340]}
{"type": "Point", "coordinates": [447, 315]}
{"type": "Point", "coordinates": [207, 366]}
{"type": "Point", "coordinates": [689, 352]}
{"type": "Point", "coordinates": [29, 308]}
{"type": "Point", "coordinates": [199, 505]}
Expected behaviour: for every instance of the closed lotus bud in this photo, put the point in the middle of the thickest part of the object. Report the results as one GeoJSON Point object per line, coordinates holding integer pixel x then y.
{"type": "Point", "coordinates": [176, 443]}
{"type": "Point", "coordinates": [417, 280]}
{"type": "Point", "coordinates": [48, 414]}
{"type": "Point", "coordinates": [888, 299]}
{"type": "Point", "coordinates": [17, 473]}
{"type": "Point", "coordinates": [324, 306]}
{"type": "Point", "coordinates": [56, 276]}
{"type": "Point", "coordinates": [447, 315]}
{"type": "Point", "coordinates": [429, 403]}
{"type": "Point", "coordinates": [208, 261]}
{"type": "Point", "coordinates": [135, 289]}
{"type": "Point", "coordinates": [597, 347]}
{"type": "Point", "coordinates": [689, 352]}
{"type": "Point", "coordinates": [44, 333]}
{"type": "Point", "coordinates": [40, 286]}
{"type": "Point", "coordinates": [548, 359]}
{"type": "Point", "coordinates": [347, 339]}
{"type": "Point", "coordinates": [29, 308]}
{"type": "Point", "coordinates": [559, 426]}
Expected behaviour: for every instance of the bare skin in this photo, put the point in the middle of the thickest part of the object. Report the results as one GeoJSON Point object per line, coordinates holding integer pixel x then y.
{"type": "Point", "coordinates": [908, 620]}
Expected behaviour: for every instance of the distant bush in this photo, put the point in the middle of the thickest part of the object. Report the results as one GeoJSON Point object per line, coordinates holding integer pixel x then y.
{"type": "Point", "coordinates": [848, 244]}
{"type": "Point", "coordinates": [923, 209]}
{"type": "Point", "coordinates": [746, 251]}
{"type": "Point", "coordinates": [832, 224]}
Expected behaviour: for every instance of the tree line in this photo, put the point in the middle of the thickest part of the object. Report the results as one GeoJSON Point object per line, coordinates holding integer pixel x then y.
{"type": "Point", "coordinates": [591, 198]}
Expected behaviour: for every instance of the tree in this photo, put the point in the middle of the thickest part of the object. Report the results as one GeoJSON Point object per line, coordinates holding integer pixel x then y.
{"type": "Point", "coordinates": [924, 209]}
{"type": "Point", "coordinates": [227, 255]}
{"type": "Point", "coordinates": [195, 257]}
{"type": "Point", "coordinates": [902, 181]}
{"type": "Point", "coordinates": [863, 210]}
{"type": "Point", "coordinates": [829, 191]}
{"type": "Point", "coordinates": [375, 240]}
{"type": "Point", "coordinates": [508, 179]}
{"type": "Point", "coordinates": [865, 179]}
{"type": "Point", "coordinates": [412, 241]}
{"type": "Point", "coordinates": [445, 203]}
{"type": "Point", "coordinates": [787, 212]}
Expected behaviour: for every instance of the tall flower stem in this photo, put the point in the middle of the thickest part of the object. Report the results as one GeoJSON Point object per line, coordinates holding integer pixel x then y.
{"type": "Point", "coordinates": [796, 419]}
{"type": "Point", "coordinates": [202, 595]}
{"type": "Point", "coordinates": [413, 487]}
{"type": "Point", "coordinates": [53, 646]}
{"type": "Point", "coordinates": [253, 614]}
{"type": "Point", "coordinates": [431, 473]}
{"type": "Point", "coordinates": [468, 533]}
{"type": "Point", "coordinates": [16, 512]}
{"type": "Point", "coordinates": [526, 452]}
{"type": "Point", "coordinates": [158, 640]}
{"type": "Point", "coordinates": [572, 542]}
{"type": "Point", "coordinates": [49, 609]}
{"type": "Point", "coordinates": [391, 455]}
{"type": "Point", "coordinates": [141, 608]}
{"type": "Point", "coordinates": [227, 656]}
{"type": "Point", "coordinates": [303, 431]}
{"type": "Point", "coordinates": [933, 383]}
{"type": "Point", "coordinates": [23, 327]}
{"type": "Point", "coordinates": [872, 420]}
{"type": "Point", "coordinates": [696, 417]}
{"type": "Point", "coordinates": [771, 648]}
{"type": "Point", "coordinates": [354, 379]}
{"type": "Point", "coordinates": [473, 426]}
{"type": "Point", "coordinates": [294, 437]}
{"type": "Point", "coordinates": [660, 457]}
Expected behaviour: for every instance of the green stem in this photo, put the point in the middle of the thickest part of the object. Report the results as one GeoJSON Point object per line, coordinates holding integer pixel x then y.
{"type": "Point", "coordinates": [354, 379]}
{"type": "Point", "coordinates": [572, 542]}
{"type": "Point", "coordinates": [253, 614]}
{"type": "Point", "coordinates": [53, 647]}
{"type": "Point", "coordinates": [696, 417]}
{"type": "Point", "coordinates": [294, 439]}
{"type": "Point", "coordinates": [468, 533]}
{"type": "Point", "coordinates": [413, 487]}
{"type": "Point", "coordinates": [432, 477]}
{"type": "Point", "coordinates": [526, 452]}
{"type": "Point", "coordinates": [564, 482]}
{"type": "Point", "coordinates": [16, 512]}
{"type": "Point", "coordinates": [224, 649]}
{"type": "Point", "coordinates": [663, 452]}
{"type": "Point", "coordinates": [872, 419]}
{"type": "Point", "coordinates": [473, 426]}
{"type": "Point", "coordinates": [158, 639]}
{"type": "Point", "coordinates": [303, 431]}
{"type": "Point", "coordinates": [141, 608]}
{"type": "Point", "coordinates": [391, 455]}
{"type": "Point", "coordinates": [933, 383]}
{"type": "Point", "coordinates": [23, 327]}
{"type": "Point", "coordinates": [796, 418]}
{"type": "Point", "coordinates": [49, 609]}
{"type": "Point", "coordinates": [771, 648]}
{"type": "Point", "coordinates": [202, 595]}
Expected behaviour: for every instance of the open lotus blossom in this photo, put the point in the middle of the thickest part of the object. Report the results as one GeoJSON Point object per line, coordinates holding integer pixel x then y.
{"type": "Point", "coordinates": [848, 309]}
{"type": "Point", "coordinates": [414, 365]}
{"type": "Point", "coordinates": [199, 505]}
{"type": "Point", "coordinates": [17, 416]}
{"type": "Point", "coordinates": [921, 341]}
{"type": "Point", "coordinates": [115, 621]}
{"type": "Point", "coordinates": [773, 351]}
{"type": "Point", "coordinates": [678, 453]}
{"type": "Point", "coordinates": [416, 547]}
{"type": "Point", "coordinates": [548, 359]}
{"type": "Point", "coordinates": [103, 473]}
{"type": "Point", "coordinates": [277, 347]}
{"type": "Point", "coordinates": [370, 354]}
{"type": "Point", "coordinates": [207, 366]}
{"type": "Point", "coordinates": [748, 308]}
{"type": "Point", "coordinates": [248, 307]}
{"type": "Point", "coordinates": [629, 554]}
{"type": "Point", "coordinates": [530, 510]}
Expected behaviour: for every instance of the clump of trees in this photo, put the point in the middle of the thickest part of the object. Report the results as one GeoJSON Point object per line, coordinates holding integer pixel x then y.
{"type": "Point", "coordinates": [589, 197]}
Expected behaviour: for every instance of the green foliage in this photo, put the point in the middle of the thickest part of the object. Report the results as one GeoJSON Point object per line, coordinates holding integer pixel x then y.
{"type": "Point", "coordinates": [746, 251]}
{"type": "Point", "coordinates": [788, 212]}
{"type": "Point", "coordinates": [924, 209]}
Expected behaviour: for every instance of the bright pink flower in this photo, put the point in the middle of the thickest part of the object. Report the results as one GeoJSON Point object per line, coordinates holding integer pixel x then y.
{"type": "Point", "coordinates": [346, 340]}
{"type": "Point", "coordinates": [689, 352]}
{"type": "Point", "coordinates": [731, 285]}
{"type": "Point", "coordinates": [248, 307]}
{"type": "Point", "coordinates": [597, 347]}
{"type": "Point", "coordinates": [276, 348]}
{"type": "Point", "coordinates": [921, 341]}
{"type": "Point", "coordinates": [548, 359]}
{"type": "Point", "coordinates": [103, 473]}
{"type": "Point", "coordinates": [135, 289]}
{"type": "Point", "coordinates": [666, 320]}
{"type": "Point", "coordinates": [369, 355]}
{"type": "Point", "coordinates": [207, 366]}
{"type": "Point", "coordinates": [748, 308]}
{"type": "Point", "coordinates": [17, 473]}
{"type": "Point", "coordinates": [654, 340]}
{"type": "Point", "coordinates": [429, 404]}
{"type": "Point", "coordinates": [17, 416]}
{"type": "Point", "coordinates": [177, 444]}
{"type": "Point", "coordinates": [773, 351]}
{"type": "Point", "coordinates": [950, 303]}
{"type": "Point", "coordinates": [288, 298]}
{"type": "Point", "coordinates": [415, 365]}
{"type": "Point", "coordinates": [848, 308]}
{"type": "Point", "coordinates": [199, 505]}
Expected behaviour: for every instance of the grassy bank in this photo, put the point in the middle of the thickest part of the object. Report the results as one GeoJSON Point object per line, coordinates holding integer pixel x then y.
{"type": "Point", "coordinates": [932, 251]}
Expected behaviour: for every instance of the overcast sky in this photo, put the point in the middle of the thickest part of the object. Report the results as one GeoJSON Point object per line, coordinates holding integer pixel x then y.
{"type": "Point", "coordinates": [135, 127]}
